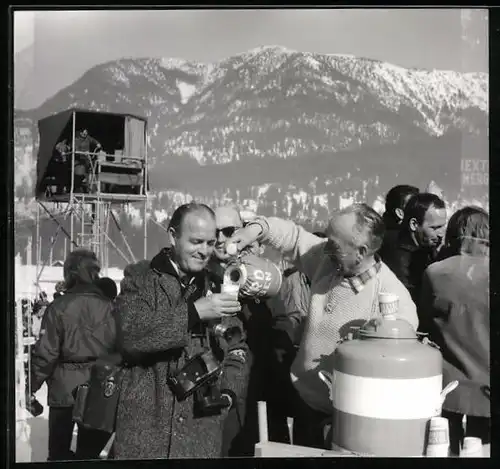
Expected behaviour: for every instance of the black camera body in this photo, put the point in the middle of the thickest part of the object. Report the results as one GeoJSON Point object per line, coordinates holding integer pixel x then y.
{"type": "Point", "coordinates": [197, 372]}
{"type": "Point", "coordinates": [209, 401]}
{"type": "Point", "coordinates": [198, 377]}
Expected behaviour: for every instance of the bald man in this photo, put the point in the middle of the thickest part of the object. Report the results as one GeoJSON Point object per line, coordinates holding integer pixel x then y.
{"type": "Point", "coordinates": [241, 428]}
{"type": "Point", "coordinates": [227, 221]}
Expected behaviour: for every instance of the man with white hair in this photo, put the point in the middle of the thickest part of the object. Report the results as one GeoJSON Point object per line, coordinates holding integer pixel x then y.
{"type": "Point", "coordinates": [346, 276]}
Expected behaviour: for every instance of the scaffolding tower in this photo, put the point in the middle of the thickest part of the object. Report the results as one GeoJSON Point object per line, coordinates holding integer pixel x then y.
{"type": "Point", "coordinates": [89, 165]}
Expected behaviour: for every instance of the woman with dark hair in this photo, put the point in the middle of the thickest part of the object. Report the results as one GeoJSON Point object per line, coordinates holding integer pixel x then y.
{"type": "Point", "coordinates": [467, 232]}
{"type": "Point", "coordinates": [455, 306]}
{"type": "Point", "coordinates": [77, 329]}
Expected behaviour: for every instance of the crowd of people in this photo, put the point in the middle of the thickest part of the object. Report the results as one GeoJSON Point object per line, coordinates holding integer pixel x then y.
{"type": "Point", "coordinates": [189, 361]}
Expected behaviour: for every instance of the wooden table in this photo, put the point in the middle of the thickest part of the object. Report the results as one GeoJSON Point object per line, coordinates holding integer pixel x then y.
{"type": "Point", "coordinates": [270, 449]}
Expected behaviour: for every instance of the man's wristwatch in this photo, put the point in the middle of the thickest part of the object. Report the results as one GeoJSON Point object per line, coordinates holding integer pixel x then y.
{"type": "Point", "coordinates": [229, 400]}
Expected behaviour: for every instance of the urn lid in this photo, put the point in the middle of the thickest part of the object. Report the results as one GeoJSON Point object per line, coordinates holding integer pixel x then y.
{"type": "Point", "coordinates": [383, 328]}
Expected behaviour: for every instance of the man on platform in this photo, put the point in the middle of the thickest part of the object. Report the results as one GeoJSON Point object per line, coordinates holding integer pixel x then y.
{"type": "Point", "coordinates": [84, 145]}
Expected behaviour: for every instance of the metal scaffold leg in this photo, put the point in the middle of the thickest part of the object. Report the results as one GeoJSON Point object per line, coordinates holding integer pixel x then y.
{"type": "Point", "coordinates": [90, 224]}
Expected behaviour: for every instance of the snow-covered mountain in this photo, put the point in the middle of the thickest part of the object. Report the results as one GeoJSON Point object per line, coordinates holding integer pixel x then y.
{"type": "Point", "coordinates": [283, 131]}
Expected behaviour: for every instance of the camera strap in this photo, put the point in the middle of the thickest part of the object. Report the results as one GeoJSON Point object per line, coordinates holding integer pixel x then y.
{"type": "Point", "coordinates": [186, 293]}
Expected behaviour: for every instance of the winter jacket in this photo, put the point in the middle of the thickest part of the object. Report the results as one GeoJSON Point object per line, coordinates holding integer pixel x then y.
{"type": "Point", "coordinates": [290, 306]}
{"type": "Point", "coordinates": [455, 306]}
{"type": "Point", "coordinates": [77, 328]}
{"type": "Point", "coordinates": [390, 240]}
{"type": "Point", "coordinates": [158, 330]}
{"type": "Point", "coordinates": [408, 261]}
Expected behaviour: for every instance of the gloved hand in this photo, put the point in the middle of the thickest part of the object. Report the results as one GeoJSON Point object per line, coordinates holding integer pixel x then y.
{"type": "Point", "coordinates": [33, 406]}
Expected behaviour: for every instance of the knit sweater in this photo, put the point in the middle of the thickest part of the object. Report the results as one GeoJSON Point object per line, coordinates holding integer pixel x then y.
{"type": "Point", "coordinates": [334, 307]}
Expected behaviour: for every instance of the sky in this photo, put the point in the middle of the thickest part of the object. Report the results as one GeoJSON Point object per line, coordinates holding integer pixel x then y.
{"type": "Point", "coordinates": [65, 44]}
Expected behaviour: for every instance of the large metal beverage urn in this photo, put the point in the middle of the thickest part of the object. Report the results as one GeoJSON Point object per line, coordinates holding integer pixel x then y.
{"type": "Point", "coordinates": [255, 276]}
{"type": "Point", "coordinates": [386, 386]}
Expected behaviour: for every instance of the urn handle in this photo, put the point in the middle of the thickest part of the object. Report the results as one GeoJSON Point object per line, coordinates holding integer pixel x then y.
{"type": "Point", "coordinates": [422, 336]}
{"type": "Point", "coordinates": [329, 380]}
{"type": "Point", "coordinates": [442, 397]}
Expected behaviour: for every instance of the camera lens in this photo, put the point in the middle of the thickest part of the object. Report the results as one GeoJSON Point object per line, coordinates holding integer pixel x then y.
{"type": "Point", "coordinates": [220, 330]}
{"type": "Point", "coordinates": [232, 334]}
{"type": "Point", "coordinates": [235, 276]}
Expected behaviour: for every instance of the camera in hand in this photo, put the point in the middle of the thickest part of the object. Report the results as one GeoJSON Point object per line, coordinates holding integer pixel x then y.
{"type": "Point", "coordinates": [196, 373]}
{"type": "Point", "coordinates": [33, 406]}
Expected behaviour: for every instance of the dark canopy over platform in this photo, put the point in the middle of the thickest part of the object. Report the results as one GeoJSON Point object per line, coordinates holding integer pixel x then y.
{"type": "Point", "coordinates": [123, 132]}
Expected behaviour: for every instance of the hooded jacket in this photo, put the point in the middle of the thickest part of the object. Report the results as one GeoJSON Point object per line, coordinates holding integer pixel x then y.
{"type": "Point", "coordinates": [77, 329]}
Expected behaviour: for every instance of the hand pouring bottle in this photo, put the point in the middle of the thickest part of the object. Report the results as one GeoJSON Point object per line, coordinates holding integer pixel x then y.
{"type": "Point", "coordinates": [254, 276]}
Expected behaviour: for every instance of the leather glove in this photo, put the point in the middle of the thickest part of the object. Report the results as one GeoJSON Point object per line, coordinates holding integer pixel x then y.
{"type": "Point", "coordinates": [33, 406]}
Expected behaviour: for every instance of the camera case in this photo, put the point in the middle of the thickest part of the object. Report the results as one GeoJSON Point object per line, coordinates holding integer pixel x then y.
{"type": "Point", "coordinates": [209, 401]}
{"type": "Point", "coordinates": [197, 372]}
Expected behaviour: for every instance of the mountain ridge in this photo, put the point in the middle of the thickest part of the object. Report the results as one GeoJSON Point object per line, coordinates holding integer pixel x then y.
{"type": "Point", "coordinates": [281, 131]}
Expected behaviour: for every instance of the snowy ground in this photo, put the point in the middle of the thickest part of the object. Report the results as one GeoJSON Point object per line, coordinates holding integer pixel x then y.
{"type": "Point", "coordinates": [32, 433]}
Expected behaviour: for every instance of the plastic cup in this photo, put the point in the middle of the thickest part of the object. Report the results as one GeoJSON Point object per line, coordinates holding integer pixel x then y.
{"type": "Point", "coordinates": [438, 451]}
{"type": "Point", "coordinates": [389, 304]}
{"type": "Point", "coordinates": [439, 431]}
{"type": "Point", "coordinates": [438, 440]}
{"type": "Point", "coordinates": [231, 288]}
{"type": "Point", "coordinates": [472, 447]}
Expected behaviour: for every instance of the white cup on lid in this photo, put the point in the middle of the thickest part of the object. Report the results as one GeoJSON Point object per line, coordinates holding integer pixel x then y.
{"type": "Point", "coordinates": [389, 305]}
